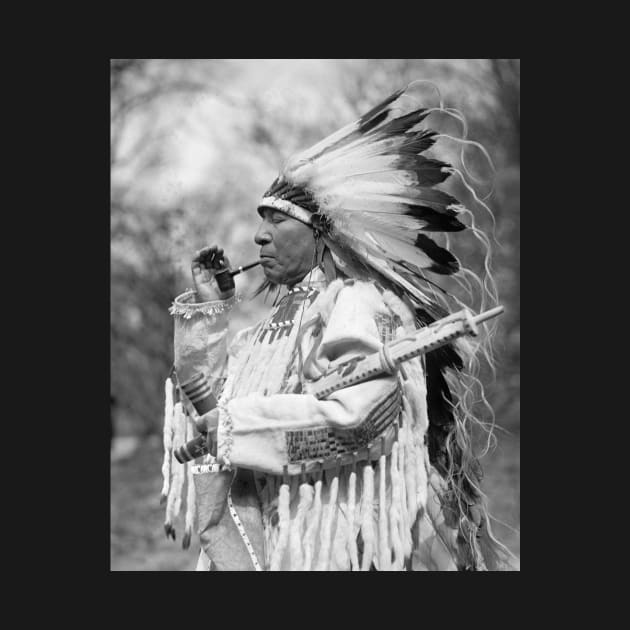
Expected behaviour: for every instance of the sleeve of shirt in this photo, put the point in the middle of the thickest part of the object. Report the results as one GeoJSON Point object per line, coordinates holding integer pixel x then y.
{"type": "Point", "coordinates": [290, 432]}
{"type": "Point", "coordinates": [200, 338]}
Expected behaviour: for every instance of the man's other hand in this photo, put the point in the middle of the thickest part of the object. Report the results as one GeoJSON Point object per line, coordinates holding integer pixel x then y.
{"type": "Point", "coordinates": [205, 264]}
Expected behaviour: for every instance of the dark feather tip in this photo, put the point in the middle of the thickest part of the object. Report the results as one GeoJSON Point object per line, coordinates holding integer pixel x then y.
{"type": "Point", "coordinates": [417, 142]}
{"type": "Point", "coordinates": [428, 171]}
{"type": "Point", "coordinates": [170, 530]}
{"type": "Point", "coordinates": [375, 110]}
{"type": "Point", "coordinates": [444, 221]}
{"type": "Point", "coordinates": [186, 540]}
{"type": "Point", "coordinates": [404, 123]}
{"type": "Point", "coordinates": [370, 124]}
{"type": "Point", "coordinates": [443, 261]}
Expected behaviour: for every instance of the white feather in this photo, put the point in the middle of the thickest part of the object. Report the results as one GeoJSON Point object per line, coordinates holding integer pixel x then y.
{"type": "Point", "coordinates": [364, 147]}
{"type": "Point", "coordinates": [398, 107]}
{"type": "Point", "coordinates": [358, 166]}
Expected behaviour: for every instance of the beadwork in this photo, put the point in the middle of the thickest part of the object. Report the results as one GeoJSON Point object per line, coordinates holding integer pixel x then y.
{"type": "Point", "coordinates": [181, 305]}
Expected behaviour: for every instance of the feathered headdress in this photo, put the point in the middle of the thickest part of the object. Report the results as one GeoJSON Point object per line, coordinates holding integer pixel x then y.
{"type": "Point", "coordinates": [373, 197]}
{"type": "Point", "coordinates": [372, 194]}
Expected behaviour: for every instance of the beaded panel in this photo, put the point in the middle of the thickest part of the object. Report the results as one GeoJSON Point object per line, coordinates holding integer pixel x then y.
{"type": "Point", "coordinates": [281, 322]}
{"type": "Point", "coordinates": [328, 442]}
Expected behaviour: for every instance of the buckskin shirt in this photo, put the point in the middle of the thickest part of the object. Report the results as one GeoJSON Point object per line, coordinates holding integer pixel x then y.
{"type": "Point", "coordinates": [298, 483]}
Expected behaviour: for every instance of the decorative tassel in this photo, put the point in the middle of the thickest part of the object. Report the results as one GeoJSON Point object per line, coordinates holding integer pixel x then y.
{"type": "Point", "coordinates": [295, 537]}
{"type": "Point", "coordinates": [402, 467]}
{"type": "Point", "coordinates": [339, 557]}
{"type": "Point", "coordinates": [180, 474]}
{"type": "Point", "coordinates": [395, 515]}
{"type": "Point", "coordinates": [167, 439]}
{"type": "Point", "coordinates": [420, 472]}
{"type": "Point", "coordinates": [411, 463]}
{"type": "Point", "coordinates": [367, 517]}
{"type": "Point", "coordinates": [313, 518]}
{"type": "Point", "coordinates": [270, 532]}
{"type": "Point", "coordinates": [422, 489]}
{"type": "Point", "coordinates": [384, 552]}
{"type": "Point", "coordinates": [174, 500]}
{"type": "Point", "coordinates": [352, 538]}
{"type": "Point", "coordinates": [326, 531]}
{"type": "Point", "coordinates": [283, 526]}
{"type": "Point", "coordinates": [190, 494]}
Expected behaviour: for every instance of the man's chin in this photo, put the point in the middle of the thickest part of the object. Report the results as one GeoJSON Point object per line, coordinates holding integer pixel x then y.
{"type": "Point", "coordinates": [272, 277]}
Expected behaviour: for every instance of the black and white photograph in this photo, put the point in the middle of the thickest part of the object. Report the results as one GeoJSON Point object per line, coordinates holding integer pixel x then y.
{"type": "Point", "coordinates": [315, 315]}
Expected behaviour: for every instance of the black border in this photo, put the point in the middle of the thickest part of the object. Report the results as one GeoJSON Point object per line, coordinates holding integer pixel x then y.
{"type": "Point", "coordinates": [556, 287]}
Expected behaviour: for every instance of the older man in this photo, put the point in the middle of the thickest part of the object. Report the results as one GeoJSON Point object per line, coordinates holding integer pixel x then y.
{"type": "Point", "coordinates": [360, 480]}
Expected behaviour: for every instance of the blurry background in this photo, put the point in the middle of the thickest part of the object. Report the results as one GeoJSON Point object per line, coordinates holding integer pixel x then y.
{"type": "Point", "coordinates": [194, 144]}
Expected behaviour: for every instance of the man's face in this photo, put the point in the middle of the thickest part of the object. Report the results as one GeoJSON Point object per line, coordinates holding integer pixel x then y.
{"type": "Point", "coordinates": [286, 247]}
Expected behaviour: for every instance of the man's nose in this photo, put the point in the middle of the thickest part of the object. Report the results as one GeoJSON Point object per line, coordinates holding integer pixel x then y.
{"type": "Point", "coordinates": [262, 236]}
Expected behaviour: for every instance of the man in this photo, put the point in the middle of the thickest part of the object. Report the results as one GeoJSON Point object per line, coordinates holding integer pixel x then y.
{"type": "Point", "coordinates": [373, 476]}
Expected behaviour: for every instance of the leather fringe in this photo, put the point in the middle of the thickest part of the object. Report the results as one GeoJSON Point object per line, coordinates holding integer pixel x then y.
{"type": "Point", "coordinates": [177, 478]}
{"type": "Point", "coordinates": [283, 526]}
{"type": "Point", "coordinates": [306, 492]}
{"type": "Point", "coordinates": [189, 521]}
{"type": "Point", "coordinates": [313, 519]}
{"type": "Point", "coordinates": [167, 439]}
{"type": "Point", "coordinates": [326, 530]}
{"type": "Point", "coordinates": [178, 472]}
{"type": "Point", "coordinates": [367, 517]}
{"type": "Point", "coordinates": [398, 516]}
{"type": "Point", "coordinates": [351, 536]}
{"type": "Point", "coordinates": [384, 551]}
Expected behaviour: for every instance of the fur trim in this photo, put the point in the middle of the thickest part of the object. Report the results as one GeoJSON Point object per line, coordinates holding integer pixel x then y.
{"type": "Point", "coordinates": [384, 551]}
{"type": "Point", "coordinates": [351, 535]}
{"type": "Point", "coordinates": [367, 517]}
{"type": "Point", "coordinates": [283, 527]}
{"type": "Point", "coordinates": [312, 525]}
{"type": "Point", "coordinates": [326, 529]}
{"type": "Point", "coordinates": [174, 500]}
{"type": "Point", "coordinates": [395, 515]}
{"type": "Point", "coordinates": [190, 494]}
{"type": "Point", "coordinates": [340, 558]}
{"type": "Point", "coordinates": [167, 439]}
{"type": "Point", "coordinates": [405, 525]}
{"type": "Point", "coordinates": [295, 537]}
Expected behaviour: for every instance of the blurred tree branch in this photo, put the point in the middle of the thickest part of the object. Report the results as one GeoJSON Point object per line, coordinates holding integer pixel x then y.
{"type": "Point", "coordinates": [139, 83]}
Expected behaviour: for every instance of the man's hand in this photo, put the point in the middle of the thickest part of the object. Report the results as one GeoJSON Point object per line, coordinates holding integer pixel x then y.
{"type": "Point", "coordinates": [205, 264]}
{"type": "Point", "coordinates": [208, 424]}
